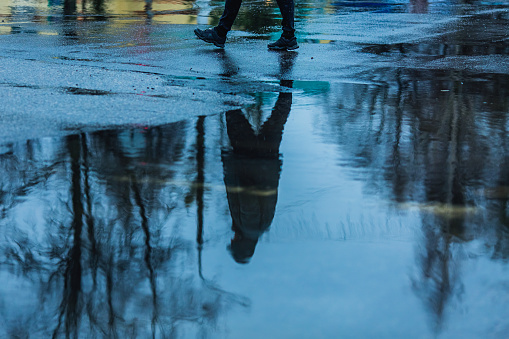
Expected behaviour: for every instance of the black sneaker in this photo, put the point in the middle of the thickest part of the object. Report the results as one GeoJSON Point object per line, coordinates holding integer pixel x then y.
{"type": "Point", "coordinates": [210, 35]}
{"type": "Point", "coordinates": [284, 44]}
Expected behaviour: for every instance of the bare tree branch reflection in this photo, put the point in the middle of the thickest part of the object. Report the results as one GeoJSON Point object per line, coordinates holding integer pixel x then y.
{"type": "Point", "coordinates": [430, 135]}
{"type": "Point", "coordinates": [105, 261]}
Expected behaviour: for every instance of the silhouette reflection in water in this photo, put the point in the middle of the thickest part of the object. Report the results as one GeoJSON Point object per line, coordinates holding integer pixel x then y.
{"type": "Point", "coordinates": [251, 175]}
{"type": "Point", "coordinates": [228, 65]}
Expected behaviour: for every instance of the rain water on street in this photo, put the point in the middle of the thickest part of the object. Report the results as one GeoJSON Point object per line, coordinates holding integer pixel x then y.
{"type": "Point", "coordinates": [362, 196]}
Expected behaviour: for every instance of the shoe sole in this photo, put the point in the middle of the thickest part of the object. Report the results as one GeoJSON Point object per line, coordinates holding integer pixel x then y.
{"type": "Point", "coordinates": [288, 48]}
{"type": "Point", "coordinates": [201, 37]}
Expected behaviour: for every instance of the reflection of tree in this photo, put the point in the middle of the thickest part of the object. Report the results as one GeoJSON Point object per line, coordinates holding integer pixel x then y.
{"type": "Point", "coordinates": [499, 201]}
{"type": "Point", "coordinates": [445, 185]}
{"type": "Point", "coordinates": [108, 261]}
{"type": "Point", "coordinates": [70, 307]}
{"type": "Point", "coordinates": [438, 278]}
{"type": "Point", "coordinates": [438, 144]}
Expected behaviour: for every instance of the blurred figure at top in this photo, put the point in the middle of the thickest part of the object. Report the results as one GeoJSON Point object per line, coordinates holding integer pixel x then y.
{"type": "Point", "coordinates": [419, 6]}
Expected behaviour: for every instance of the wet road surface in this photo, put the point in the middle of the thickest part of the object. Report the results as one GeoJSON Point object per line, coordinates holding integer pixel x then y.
{"type": "Point", "coordinates": [152, 185]}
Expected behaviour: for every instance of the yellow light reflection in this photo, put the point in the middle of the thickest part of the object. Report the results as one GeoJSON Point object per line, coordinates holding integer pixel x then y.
{"type": "Point", "coordinates": [178, 19]}
{"type": "Point", "coordinates": [5, 30]}
{"type": "Point", "coordinates": [47, 33]}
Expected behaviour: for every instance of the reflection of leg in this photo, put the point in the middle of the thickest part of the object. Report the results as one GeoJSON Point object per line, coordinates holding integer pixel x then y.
{"type": "Point", "coordinates": [229, 67]}
{"type": "Point", "coordinates": [241, 134]}
{"type": "Point", "coordinates": [272, 129]}
{"type": "Point", "coordinates": [286, 62]}
{"type": "Point", "coordinates": [231, 9]}
{"type": "Point", "coordinates": [287, 12]}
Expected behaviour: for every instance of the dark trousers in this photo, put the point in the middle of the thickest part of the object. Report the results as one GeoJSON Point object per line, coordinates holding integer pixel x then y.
{"type": "Point", "coordinates": [231, 9]}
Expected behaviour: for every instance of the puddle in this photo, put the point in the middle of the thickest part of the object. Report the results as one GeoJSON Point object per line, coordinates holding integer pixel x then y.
{"type": "Point", "coordinates": [134, 220]}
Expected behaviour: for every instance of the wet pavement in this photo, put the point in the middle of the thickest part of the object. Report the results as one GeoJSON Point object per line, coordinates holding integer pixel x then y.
{"type": "Point", "coordinates": [154, 186]}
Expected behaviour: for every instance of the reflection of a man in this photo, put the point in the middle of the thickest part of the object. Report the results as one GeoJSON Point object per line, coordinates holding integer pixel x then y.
{"type": "Point", "coordinates": [251, 175]}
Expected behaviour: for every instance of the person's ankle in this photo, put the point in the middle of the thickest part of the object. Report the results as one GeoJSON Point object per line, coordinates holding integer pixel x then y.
{"type": "Point", "coordinates": [221, 31]}
{"type": "Point", "coordinates": [288, 35]}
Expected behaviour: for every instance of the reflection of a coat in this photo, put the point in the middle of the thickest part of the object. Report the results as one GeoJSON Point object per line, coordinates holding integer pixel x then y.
{"type": "Point", "coordinates": [251, 175]}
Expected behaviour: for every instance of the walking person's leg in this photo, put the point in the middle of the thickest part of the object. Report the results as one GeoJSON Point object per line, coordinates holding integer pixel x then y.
{"type": "Point", "coordinates": [287, 8]}
{"type": "Point", "coordinates": [217, 35]}
{"type": "Point", "coordinates": [231, 10]}
{"type": "Point", "coordinates": [287, 40]}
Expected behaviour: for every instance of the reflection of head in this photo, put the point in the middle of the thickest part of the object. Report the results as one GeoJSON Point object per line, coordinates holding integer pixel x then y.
{"type": "Point", "coordinates": [242, 248]}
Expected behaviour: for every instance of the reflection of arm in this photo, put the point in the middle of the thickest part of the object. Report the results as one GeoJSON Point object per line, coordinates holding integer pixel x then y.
{"type": "Point", "coordinates": [272, 129]}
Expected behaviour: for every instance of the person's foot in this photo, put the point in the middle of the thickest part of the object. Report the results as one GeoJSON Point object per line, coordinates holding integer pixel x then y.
{"type": "Point", "coordinates": [284, 44]}
{"type": "Point", "coordinates": [210, 35]}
